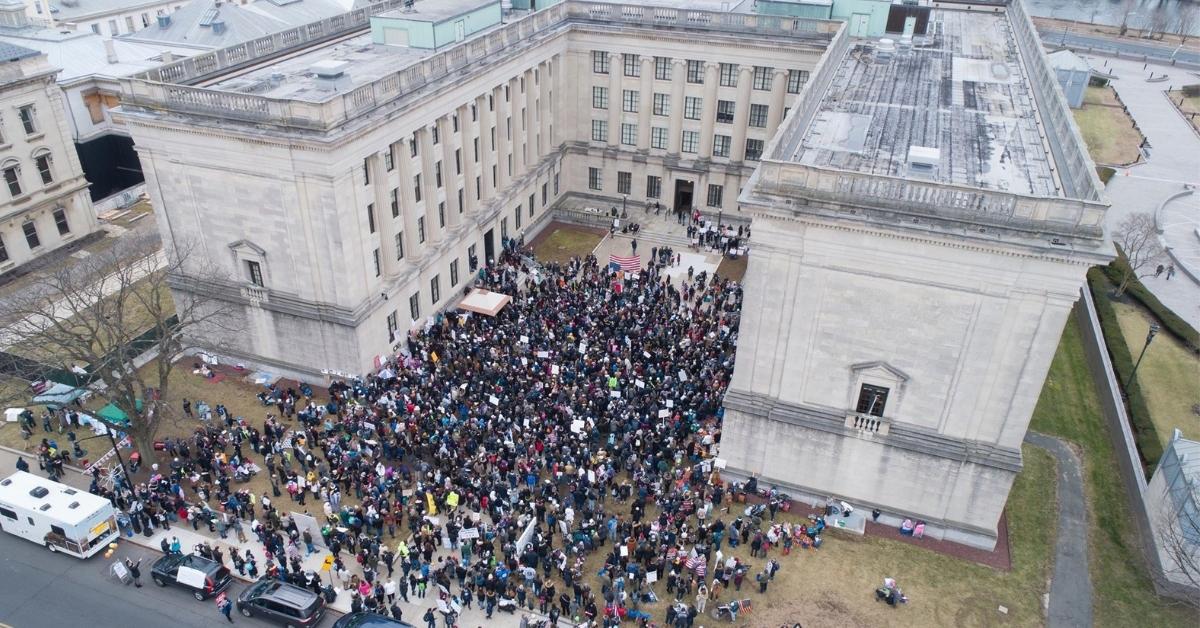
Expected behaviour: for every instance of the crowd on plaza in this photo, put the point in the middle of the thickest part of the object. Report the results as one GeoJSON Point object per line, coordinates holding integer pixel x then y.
{"type": "Point", "coordinates": [578, 423]}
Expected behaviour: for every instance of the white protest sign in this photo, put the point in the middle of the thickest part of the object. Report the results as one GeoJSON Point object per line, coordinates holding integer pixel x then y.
{"type": "Point", "coordinates": [683, 375]}
{"type": "Point", "coordinates": [577, 426]}
{"type": "Point", "coordinates": [640, 384]}
{"type": "Point", "coordinates": [624, 550]}
{"type": "Point", "coordinates": [466, 534]}
{"type": "Point", "coordinates": [543, 354]}
{"type": "Point", "coordinates": [719, 463]}
{"type": "Point", "coordinates": [494, 400]}
{"type": "Point", "coordinates": [525, 339]}
{"type": "Point", "coordinates": [615, 394]}
{"type": "Point", "coordinates": [651, 577]}
{"type": "Point", "coordinates": [670, 403]}
{"type": "Point", "coordinates": [662, 414]}
{"type": "Point", "coordinates": [554, 369]}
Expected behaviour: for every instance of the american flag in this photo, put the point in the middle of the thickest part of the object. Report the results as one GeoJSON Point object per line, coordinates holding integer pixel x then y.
{"type": "Point", "coordinates": [632, 263]}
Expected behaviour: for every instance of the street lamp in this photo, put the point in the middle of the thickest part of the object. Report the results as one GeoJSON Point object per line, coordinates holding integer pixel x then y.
{"type": "Point", "coordinates": [1149, 336]}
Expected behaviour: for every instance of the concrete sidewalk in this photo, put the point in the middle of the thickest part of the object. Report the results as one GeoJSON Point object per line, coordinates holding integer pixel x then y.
{"type": "Point", "coordinates": [1172, 164]}
{"type": "Point", "coordinates": [189, 538]}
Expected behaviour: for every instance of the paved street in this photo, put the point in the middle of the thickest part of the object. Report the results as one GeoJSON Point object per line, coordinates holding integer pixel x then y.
{"type": "Point", "coordinates": [44, 590]}
{"type": "Point", "coordinates": [1126, 48]}
{"type": "Point", "coordinates": [1171, 165]}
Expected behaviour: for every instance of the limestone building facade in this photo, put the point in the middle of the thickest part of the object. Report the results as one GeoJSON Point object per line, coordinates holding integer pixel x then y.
{"type": "Point", "coordinates": [44, 203]}
{"type": "Point", "coordinates": [922, 226]}
{"type": "Point", "coordinates": [351, 189]}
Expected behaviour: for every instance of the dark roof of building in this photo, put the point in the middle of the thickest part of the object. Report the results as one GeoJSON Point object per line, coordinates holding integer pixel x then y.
{"type": "Point", "coordinates": [12, 52]}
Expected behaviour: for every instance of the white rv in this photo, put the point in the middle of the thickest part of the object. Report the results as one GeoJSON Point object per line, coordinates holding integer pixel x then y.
{"type": "Point", "coordinates": [60, 517]}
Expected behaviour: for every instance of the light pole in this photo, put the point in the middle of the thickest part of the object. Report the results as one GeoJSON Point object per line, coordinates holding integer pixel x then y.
{"type": "Point", "coordinates": [117, 450]}
{"type": "Point", "coordinates": [1149, 336]}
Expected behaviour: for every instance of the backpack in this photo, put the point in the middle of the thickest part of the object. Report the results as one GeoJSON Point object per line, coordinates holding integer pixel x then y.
{"type": "Point", "coordinates": [428, 615]}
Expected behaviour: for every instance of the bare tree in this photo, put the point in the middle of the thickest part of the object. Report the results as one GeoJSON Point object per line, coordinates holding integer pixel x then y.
{"type": "Point", "coordinates": [1137, 239]}
{"type": "Point", "coordinates": [1159, 21]}
{"type": "Point", "coordinates": [1177, 530]}
{"type": "Point", "coordinates": [112, 316]}
{"type": "Point", "coordinates": [1126, 10]}
{"type": "Point", "coordinates": [1187, 21]}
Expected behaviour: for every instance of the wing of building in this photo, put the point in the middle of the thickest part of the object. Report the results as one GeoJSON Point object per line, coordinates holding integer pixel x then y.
{"type": "Point", "coordinates": [923, 210]}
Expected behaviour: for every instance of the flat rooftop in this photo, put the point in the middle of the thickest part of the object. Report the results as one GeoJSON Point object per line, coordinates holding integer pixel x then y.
{"type": "Point", "coordinates": [292, 78]}
{"type": "Point", "coordinates": [959, 96]}
{"type": "Point", "coordinates": [437, 10]}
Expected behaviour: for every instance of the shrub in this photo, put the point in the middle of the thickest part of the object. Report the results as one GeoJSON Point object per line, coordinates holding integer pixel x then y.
{"type": "Point", "coordinates": [1105, 173]}
{"type": "Point", "coordinates": [1144, 432]}
{"type": "Point", "coordinates": [1169, 319]}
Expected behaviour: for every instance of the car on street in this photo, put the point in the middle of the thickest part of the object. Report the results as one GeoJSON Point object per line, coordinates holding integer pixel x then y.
{"type": "Point", "coordinates": [203, 577]}
{"type": "Point", "coordinates": [281, 603]}
{"type": "Point", "coordinates": [369, 620]}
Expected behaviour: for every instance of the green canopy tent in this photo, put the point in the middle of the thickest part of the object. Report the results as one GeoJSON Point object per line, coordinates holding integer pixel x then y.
{"type": "Point", "coordinates": [113, 414]}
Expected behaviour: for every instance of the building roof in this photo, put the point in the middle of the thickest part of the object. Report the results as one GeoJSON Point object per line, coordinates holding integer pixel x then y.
{"type": "Point", "coordinates": [1187, 452]}
{"type": "Point", "coordinates": [192, 26]}
{"type": "Point", "coordinates": [437, 10]}
{"type": "Point", "coordinates": [12, 52]}
{"type": "Point", "coordinates": [71, 10]}
{"type": "Point", "coordinates": [961, 90]}
{"type": "Point", "coordinates": [83, 53]}
{"type": "Point", "coordinates": [1067, 60]}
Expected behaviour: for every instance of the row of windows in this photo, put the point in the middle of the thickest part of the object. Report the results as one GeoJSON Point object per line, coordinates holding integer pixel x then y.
{"type": "Point", "coordinates": [716, 193]}
{"type": "Point", "coordinates": [692, 105]}
{"type": "Point", "coordinates": [689, 140]}
{"type": "Point", "coordinates": [32, 238]}
{"type": "Point", "coordinates": [763, 76]}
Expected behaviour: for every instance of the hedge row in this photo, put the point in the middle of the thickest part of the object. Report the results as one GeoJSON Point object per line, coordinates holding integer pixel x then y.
{"type": "Point", "coordinates": [1171, 321]}
{"type": "Point", "coordinates": [1144, 432]}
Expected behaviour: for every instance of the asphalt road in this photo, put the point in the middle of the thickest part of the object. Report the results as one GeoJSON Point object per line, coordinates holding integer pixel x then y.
{"type": "Point", "coordinates": [1102, 45]}
{"type": "Point", "coordinates": [43, 590]}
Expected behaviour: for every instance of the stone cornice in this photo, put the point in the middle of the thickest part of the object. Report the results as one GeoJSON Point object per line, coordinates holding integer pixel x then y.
{"type": "Point", "coordinates": [901, 435]}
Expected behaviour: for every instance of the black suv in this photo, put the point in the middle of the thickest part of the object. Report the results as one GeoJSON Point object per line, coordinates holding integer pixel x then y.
{"type": "Point", "coordinates": [203, 577]}
{"type": "Point", "coordinates": [281, 603]}
{"type": "Point", "coordinates": [369, 620]}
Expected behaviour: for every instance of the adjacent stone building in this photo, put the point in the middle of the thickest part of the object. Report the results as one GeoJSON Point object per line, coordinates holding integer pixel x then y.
{"type": "Point", "coordinates": [44, 202]}
{"type": "Point", "coordinates": [922, 226]}
{"type": "Point", "coordinates": [351, 188]}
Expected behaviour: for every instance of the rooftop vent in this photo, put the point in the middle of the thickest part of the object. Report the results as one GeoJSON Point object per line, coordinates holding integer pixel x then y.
{"type": "Point", "coordinates": [44, 507]}
{"type": "Point", "coordinates": [73, 505]}
{"type": "Point", "coordinates": [923, 160]}
{"type": "Point", "coordinates": [69, 3]}
{"type": "Point", "coordinates": [218, 26]}
{"type": "Point", "coordinates": [5, 481]}
{"type": "Point", "coordinates": [330, 69]}
{"type": "Point", "coordinates": [70, 491]}
{"type": "Point", "coordinates": [164, 21]}
{"type": "Point", "coordinates": [39, 492]}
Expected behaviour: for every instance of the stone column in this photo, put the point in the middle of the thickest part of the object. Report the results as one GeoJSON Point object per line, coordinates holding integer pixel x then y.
{"type": "Point", "coordinates": [384, 222]}
{"type": "Point", "coordinates": [678, 79]}
{"type": "Point", "coordinates": [778, 95]}
{"type": "Point", "coordinates": [487, 149]}
{"type": "Point", "coordinates": [708, 113]}
{"type": "Point", "coordinates": [449, 178]}
{"type": "Point", "coordinates": [545, 110]}
{"type": "Point", "coordinates": [413, 247]}
{"type": "Point", "coordinates": [563, 95]}
{"type": "Point", "coordinates": [433, 232]}
{"type": "Point", "coordinates": [503, 144]}
{"type": "Point", "coordinates": [616, 71]}
{"type": "Point", "coordinates": [646, 106]}
{"type": "Point", "coordinates": [470, 168]}
{"type": "Point", "coordinates": [741, 113]}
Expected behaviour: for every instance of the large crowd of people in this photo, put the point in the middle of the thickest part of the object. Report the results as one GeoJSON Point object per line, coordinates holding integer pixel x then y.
{"type": "Point", "coordinates": [556, 457]}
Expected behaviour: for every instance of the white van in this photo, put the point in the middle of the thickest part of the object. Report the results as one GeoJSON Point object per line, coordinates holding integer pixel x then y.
{"type": "Point", "coordinates": [62, 518]}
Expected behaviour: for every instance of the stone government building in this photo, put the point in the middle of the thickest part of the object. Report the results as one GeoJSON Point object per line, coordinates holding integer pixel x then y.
{"type": "Point", "coordinates": [923, 210]}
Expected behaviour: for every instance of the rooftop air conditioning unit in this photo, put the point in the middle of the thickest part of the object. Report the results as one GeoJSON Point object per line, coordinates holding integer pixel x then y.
{"type": "Point", "coordinates": [164, 21]}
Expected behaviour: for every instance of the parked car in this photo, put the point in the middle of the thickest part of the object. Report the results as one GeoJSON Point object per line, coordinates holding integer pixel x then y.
{"type": "Point", "coordinates": [281, 603]}
{"type": "Point", "coordinates": [369, 620]}
{"type": "Point", "coordinates": [203, 577]}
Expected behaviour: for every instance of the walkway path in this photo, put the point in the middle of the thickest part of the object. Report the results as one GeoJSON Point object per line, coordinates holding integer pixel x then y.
{"type": "Point", "coordinates": [1172, 164]}
{"type": "Point", "coordinates": [1070, 587]}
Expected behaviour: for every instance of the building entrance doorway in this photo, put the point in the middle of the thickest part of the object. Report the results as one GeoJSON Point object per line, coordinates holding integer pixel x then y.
{"type": "Point", "coordinates": [683, 196]}
{"type": "Point", "coordinates": [489, 247]}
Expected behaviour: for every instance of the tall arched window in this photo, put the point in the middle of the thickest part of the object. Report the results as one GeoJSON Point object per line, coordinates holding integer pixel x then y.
{"type": "Point", "coordinates": [11, 170]}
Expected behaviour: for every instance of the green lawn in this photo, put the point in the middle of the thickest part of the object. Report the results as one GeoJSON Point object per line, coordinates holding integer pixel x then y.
{"type": "Point", "coordinates": [1107, 130]}
{"type": "Point", "coordinates": [566, 242]}
{"type": "Point", "coordinates": [1169, 376]}
{"type": "Point", "coordinates": [1069, 408]}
